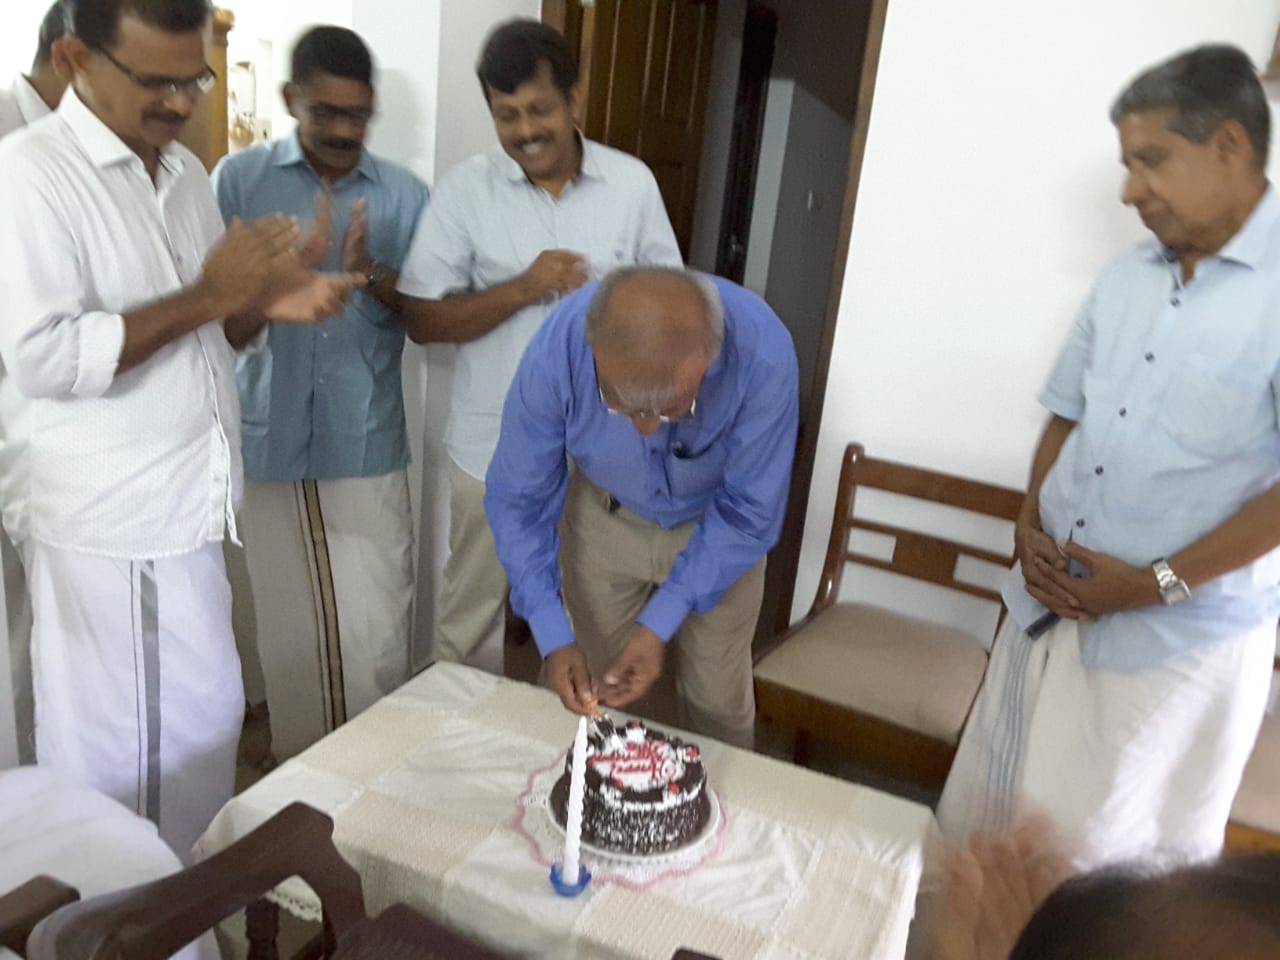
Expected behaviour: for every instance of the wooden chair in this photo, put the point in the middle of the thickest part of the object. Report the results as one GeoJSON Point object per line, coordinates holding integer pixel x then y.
{"type": "Point", "coordinates": [22, 908]}
{"type": "Point", "coordinates": [152, 921]}
{"type": "Point", "coordinates": [892, 690]}
{"type": "Point", "coordinates": [1255, 815]}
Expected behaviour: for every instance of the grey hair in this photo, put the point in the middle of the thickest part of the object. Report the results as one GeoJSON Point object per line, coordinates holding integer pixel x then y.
{"type": "Point", "coordinates": [653, 396]}
{"type": "Point", "coordinates": [1204, 87]}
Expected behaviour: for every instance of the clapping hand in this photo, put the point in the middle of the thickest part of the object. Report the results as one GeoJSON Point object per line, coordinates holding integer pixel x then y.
{"type": "Point", "coordinates": [313, 248]}
{"type": "Point", "coordinates": [993, 887]}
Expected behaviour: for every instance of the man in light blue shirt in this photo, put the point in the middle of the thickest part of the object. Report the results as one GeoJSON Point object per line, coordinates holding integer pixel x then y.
{"type": "Point", "coordinates": [646, 451]}
{"type": "Point", "coordinates": [508, 232]}
{"type": "Point", "coordinates": [1127, 686]}
{"type": "Point", "coordinates": [326, 522]}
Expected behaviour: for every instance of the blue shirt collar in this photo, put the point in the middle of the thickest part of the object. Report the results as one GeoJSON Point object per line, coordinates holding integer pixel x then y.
{"type": "Point", "coordinates": [1249, 245]}
{"type": "Point", "coordinates": [287, 152]}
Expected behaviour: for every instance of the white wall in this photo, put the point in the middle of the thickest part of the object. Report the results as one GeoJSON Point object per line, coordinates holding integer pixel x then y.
{"type": "Point", "coordinates": [988, 202]}
{"type": "Point", "coordinates": [19, 38]}
{"type": "Point", "coordinates": [458, 125]}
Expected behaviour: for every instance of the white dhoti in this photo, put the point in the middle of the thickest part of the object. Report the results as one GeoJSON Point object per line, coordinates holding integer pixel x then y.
{"type": "Point", "coordinates": [1128, 765]}
{"type": "Point", "coordinates": [137, 683]}
{"type": "Point", "coordinates": [331, 564]}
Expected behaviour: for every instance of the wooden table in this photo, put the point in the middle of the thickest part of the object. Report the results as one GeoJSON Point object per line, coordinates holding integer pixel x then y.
{"type": "Point", "coordinates": [423, 788]}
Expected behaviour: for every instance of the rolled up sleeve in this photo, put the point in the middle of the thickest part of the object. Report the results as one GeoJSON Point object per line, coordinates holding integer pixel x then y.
{"type": "Point", "coordinates": [51, 343]}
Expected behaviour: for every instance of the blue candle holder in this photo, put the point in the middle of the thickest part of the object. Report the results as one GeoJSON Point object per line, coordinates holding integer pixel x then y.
{"type": "Point", "coordinates": [569, 889]}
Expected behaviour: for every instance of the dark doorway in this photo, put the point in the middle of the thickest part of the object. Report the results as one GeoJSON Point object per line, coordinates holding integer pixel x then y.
{"type": "Point", "coordinates": [759, 32]}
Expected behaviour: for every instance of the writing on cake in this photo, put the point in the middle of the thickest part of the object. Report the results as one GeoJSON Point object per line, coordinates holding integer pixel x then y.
{"type": "Point", "coordinates": [645, 791]}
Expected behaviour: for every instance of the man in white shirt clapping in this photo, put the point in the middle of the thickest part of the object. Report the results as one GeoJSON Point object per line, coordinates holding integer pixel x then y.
{"type": "Point", "coordinates": [120, 465]}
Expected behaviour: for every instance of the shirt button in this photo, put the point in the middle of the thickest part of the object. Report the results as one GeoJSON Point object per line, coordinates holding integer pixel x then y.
{"type": "Point", "coordinates": [1150, 357]}
{"type": "Point", "coordinates": [1098, 470]}
{"type": "Point", "coordinates": [1177, 302]}
{"type": "Point", "coordinates": [1123, 411]}
{"type": "Point", "coordinates": [1080, 522]}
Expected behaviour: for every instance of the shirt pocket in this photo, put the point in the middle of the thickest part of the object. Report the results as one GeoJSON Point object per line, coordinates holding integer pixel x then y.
{"type": "Point", "coordinates": [699, 474]}
{"type": "Point", "coordinates": [1215, 416]}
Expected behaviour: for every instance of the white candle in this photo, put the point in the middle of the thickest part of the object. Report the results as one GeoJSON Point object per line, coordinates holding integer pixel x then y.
{"type": "Point", "coordinates": [573, 819]}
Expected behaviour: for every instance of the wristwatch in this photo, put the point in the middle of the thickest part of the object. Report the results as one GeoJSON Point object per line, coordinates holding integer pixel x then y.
{"type": "Point", "coordinates": [1173, 589]}
{"type": "Point", "coordinates": [376, 274]}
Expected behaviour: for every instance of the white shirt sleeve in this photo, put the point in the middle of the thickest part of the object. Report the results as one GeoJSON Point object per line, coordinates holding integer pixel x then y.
{"type": "Point", "coordinates": [441, 258]}
{"type": "Point", "coordinates": [51, 344]}
{"type": "Point", "coordinates": [656, 241]}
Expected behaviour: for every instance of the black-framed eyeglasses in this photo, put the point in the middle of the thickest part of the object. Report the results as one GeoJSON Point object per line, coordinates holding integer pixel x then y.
{"type": "Point", "coordinates": [640, 414]}
{"type": "Point", "coordinates": [324, 115]}
{"type": "Point", "coordinates": [193, 87]}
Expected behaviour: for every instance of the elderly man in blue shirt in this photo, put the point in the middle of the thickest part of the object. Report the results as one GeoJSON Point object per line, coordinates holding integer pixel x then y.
{"type": "Point", "coordinates": [326, 523]}
{"type": "Point", "coordinates": [646, 451]}
{"type": "Point", "coordinates": [1128, 683]}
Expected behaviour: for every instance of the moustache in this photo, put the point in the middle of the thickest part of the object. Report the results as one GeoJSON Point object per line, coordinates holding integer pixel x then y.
{"type": "Point", "coordinates": [167, 116]}
{"type": "Point", "coordinates": [520, 145]}
{"type": "Point", "coordinates": [341, 144]}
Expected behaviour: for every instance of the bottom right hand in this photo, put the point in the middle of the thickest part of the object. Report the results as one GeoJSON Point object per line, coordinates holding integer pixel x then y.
{"type": "Point", "coordinates": [568, 676]}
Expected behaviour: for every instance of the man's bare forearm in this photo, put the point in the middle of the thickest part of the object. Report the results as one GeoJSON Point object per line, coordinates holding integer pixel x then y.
{"type": "Point", "coordinates": [148, 329]}
{"type": "Point", "coordinates": [1239, 540]}
{"type": "Point", "coordinates": [463, 316]}
{"type": "Point", "coordinates": [1052, 438]}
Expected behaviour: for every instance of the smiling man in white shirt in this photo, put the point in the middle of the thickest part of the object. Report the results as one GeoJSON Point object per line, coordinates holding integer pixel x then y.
{"type": "Point", "coordinates": [121, 455]}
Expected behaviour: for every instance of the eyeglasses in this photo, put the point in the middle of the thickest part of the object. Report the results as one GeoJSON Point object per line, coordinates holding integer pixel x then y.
{"type": "Point", "coordinates": [192, 87]}
{"type": "Point", "coordinates": [641, 414]}
{"type": "Point", "coordinates": [324, 115]}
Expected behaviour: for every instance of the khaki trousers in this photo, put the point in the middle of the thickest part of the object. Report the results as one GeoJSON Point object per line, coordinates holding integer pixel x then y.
{"type": "Point", "coordinates": [611, 562]}
{"type": "Point", "coordinates": [331, 568]}
{"type": "Point", "coordinates": [473, 596]}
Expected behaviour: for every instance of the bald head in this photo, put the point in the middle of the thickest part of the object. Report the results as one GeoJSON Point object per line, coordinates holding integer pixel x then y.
{"type": "Point", "coordinates": [652, 330]}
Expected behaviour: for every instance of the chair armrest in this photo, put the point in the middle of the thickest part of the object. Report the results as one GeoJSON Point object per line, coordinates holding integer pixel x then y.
{"type": "Point", "coordinates": [154, 920]}
{"type": "Point", "coordinates": [25, 906]}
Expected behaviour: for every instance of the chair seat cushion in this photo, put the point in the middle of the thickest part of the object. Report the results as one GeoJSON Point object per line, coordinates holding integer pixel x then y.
{"type": "Point", "coordinates": [910, 672]}
{"type": "Point", "coordinates": [1257, 802]}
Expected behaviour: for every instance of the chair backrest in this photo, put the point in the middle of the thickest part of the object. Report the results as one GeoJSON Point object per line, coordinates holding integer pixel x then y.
{"type": "Point", "coordinates": [922, 556]}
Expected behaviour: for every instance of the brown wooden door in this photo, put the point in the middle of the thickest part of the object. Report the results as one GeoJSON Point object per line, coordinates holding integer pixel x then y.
{"type": "Point", "coordinates": [646, 72]}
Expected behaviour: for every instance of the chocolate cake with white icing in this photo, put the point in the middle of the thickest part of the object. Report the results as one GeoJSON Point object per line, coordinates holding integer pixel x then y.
{"type": "Point", "coordinates": [646, 793]}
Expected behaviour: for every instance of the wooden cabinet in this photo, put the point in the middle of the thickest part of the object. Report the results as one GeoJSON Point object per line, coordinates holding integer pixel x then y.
{"type": "Point", "coordinates": [206, 132]}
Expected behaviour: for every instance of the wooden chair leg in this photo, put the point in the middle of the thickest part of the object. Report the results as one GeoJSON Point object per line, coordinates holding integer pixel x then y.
{"type": "Point", "coordinates": [261, 927]}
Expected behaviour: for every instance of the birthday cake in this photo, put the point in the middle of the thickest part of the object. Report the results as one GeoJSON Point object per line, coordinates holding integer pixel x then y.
{"type": "Point", "coordinates": [646, 793]}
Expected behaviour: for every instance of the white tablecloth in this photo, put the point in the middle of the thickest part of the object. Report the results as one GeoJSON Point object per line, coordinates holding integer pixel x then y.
{"type": "Point", "coordinates": [423, 789]}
